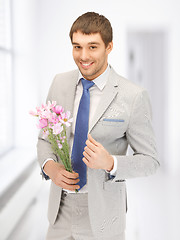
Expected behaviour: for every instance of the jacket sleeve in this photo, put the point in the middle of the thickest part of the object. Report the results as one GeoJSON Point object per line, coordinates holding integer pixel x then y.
{"type": "Point", "coordinates": [140, 137]}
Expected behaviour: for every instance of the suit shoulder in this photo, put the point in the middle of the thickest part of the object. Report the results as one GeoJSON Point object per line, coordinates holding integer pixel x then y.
{"type": "Point", "coordinates": [127, 85]}
{"type": "Point", "coordinates": [65, 76]}
{"type": "Point", "coordinates": [62, 82]}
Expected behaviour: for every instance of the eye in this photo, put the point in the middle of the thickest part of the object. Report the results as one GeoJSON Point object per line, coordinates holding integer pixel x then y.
{"type": "Point", "coordinates": [92, 47]}
{"type": "Point", "coordinates": [77, 47]}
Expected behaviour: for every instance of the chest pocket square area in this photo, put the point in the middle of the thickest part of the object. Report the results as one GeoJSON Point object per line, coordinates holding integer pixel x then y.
{"type": "Point", "coordinates": [112, 122]}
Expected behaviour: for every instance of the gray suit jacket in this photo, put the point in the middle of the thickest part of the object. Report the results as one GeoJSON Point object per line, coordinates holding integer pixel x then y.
{"type": "Point", "coordinates": [123, 117]}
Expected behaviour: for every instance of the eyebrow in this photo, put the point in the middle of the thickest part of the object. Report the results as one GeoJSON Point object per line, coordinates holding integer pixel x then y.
{"type": "Point", "coordinates": [90, 43]}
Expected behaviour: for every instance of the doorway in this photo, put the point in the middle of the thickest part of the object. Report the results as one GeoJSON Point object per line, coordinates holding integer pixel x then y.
{"type": "Point", "coordinates": [147, 67]}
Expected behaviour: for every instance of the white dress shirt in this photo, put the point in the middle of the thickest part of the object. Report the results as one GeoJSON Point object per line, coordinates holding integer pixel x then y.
{"type": "Point", "coordinates": [96, 92]}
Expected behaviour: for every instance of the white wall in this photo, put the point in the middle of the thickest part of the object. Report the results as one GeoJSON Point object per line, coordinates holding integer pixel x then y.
{"type": "Point", "coordinates": [25, 74]}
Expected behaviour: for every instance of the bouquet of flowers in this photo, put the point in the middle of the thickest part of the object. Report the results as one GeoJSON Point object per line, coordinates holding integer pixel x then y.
{"type": "Point", "coordinates": [53, 121]}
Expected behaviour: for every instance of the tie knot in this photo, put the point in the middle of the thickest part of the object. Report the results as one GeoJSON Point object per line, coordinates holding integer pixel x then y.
{"type": "Point", "coordinates": [86, 84]}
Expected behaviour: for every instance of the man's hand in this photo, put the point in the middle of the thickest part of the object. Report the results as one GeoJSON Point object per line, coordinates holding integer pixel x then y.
{"type": "Point", "coordinates": [61, 177]}
{"type": "Point", "coordinates": [96, 156]}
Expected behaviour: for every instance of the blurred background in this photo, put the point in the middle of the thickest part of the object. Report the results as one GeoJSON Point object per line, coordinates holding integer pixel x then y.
{"type": "Point", "coordinates": [34, 46]}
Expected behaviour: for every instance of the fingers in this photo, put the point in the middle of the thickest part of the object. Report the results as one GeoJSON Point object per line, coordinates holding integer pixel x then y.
{"type": "Point", "coordinates": [90, 145]}
{"type": "Point", "coordinates": [92, 140]}
{"type": "Point", "coordinates": [65, 179]}
{"type": "Point", "coordinates": [69, 180]}
{"type": "Point", "coordinates": [68, 184]}
{"type": "Point", "coordinates": [69, 187]}
{"type": "Point", "coordinates": [67, 174]}
{"type": "Point", "coordinates": [87, 155]}
{"type": "Point", "coordinates": [86, 162]}
{"type": "Point", "coordinates": [90, 149]}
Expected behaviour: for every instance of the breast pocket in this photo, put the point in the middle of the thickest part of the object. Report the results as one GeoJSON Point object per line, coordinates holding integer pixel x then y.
{"type": "Point", "coordinates": [114, 122]}
{"type": "Point", "coordinates": [110, 129]}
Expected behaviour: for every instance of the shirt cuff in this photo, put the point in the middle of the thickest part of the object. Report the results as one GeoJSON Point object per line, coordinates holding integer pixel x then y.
{"type": "Point", "coordinates": [42, 168]}
{"type": "Point", "coordinates": [114, 170]}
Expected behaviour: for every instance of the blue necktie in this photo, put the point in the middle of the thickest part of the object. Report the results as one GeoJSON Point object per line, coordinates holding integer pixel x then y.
{"type": "Point", "coordinates": [81, 131]}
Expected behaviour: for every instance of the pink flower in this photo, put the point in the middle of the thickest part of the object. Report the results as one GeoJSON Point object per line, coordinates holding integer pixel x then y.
{"type": "Point", "coordinates": [48, 106]}
{"type": "Point", "coordinates": [59, 144]}
{"type": "Point", "coordinates": [53, 118]}
{"type": "Point", "coordinates": [57, 128]}
{"type": "Point", "coordinates": [64, 118]}
{"type": "Point", "coordinates": [58, 109]}
{"type": "Point", "coordinates": [39, 110]}
{"type": "Point", "coordinates": [45, 134]}
{"type": "Point", "coordinates": [45, 114]}
{"type": "Point", "coordinates": [51, 105]}
{"type": "Point", "coordinates": [63, 138]}
{"type": "Point", "coordinates": [33, 113]}
{"type": "Point", "coordinates": [42, 123]}
{"type": "Point", "coordinates": [45, 111]}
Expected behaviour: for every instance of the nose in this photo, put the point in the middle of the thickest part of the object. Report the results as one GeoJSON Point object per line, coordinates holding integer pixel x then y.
{"type": "Point", "coordinates": [84, 55]}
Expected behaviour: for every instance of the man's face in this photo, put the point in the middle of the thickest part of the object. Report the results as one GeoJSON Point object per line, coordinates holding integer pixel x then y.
{"type": "Point", "coordinates": [90, 54]}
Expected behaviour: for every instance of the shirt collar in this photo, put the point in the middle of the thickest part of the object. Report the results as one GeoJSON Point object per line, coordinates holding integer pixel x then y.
{"type": "Point", "coordinates": [100, 81]}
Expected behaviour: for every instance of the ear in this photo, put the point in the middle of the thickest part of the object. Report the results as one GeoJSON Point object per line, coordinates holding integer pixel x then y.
{"type": "Point", "coordinates": [109, 47]}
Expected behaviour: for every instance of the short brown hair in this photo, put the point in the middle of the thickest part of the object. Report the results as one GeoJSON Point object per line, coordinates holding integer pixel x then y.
{"type": "Point", "coordinates": [92, 22]}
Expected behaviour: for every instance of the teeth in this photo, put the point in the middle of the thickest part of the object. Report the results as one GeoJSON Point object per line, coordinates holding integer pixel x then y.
{"type": "Point", "coordinates": [86, 64]}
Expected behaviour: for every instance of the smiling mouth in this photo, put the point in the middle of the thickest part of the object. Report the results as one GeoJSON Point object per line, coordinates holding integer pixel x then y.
{"type": "Point", "coordinates": [86, 65]}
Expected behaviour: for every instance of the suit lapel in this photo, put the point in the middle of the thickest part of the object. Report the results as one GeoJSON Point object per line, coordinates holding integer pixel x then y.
{"type": "Point", "coordinates": [70, 98]}
{"type": "Point", "coordinates": [109, 94]}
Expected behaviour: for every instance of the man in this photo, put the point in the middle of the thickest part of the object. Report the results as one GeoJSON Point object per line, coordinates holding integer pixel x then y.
{"type": "Point", "coordinates": [115, 112]}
